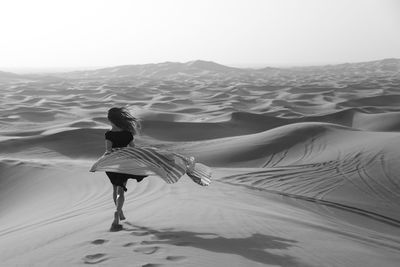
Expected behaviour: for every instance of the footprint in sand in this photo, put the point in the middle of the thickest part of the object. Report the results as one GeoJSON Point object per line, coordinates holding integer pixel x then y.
{"type": "Point", "coordinates": [99, 241]}
{"type": "Point", "coordinates": [129, 244]}
{"type": "Point", "coordinates": [95, 258]}
{"type": "Point", "coordinates": [175, 258]}
{"type": "Point", "coordinates": [146, 242]}
{"type": "Point", "coordinates": [147, 250]}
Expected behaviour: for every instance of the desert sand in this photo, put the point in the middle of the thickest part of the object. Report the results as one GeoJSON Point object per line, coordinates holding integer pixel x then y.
{"type": "Point", "coordinates": [305, 166]}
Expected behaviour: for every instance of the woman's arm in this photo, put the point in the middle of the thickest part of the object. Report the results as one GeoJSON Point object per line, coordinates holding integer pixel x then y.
{"type": "Point", "coordinates": [132, 143]}
{"type": "Point", "coordinates": [108, 147]}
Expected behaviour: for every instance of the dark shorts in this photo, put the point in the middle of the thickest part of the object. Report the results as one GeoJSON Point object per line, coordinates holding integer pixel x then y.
{"type": "Point", "coordinates": [120, 179]}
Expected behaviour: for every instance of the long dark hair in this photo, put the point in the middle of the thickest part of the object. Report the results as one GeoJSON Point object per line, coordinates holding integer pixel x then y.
{"type": "Point", "coordinates": [121, 118]}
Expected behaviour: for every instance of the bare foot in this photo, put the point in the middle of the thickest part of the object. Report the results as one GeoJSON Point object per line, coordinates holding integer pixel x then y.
{"type": "Point", "coordinates": [121, 215]}
{"type": "Point", "coordinates": [116, 227]}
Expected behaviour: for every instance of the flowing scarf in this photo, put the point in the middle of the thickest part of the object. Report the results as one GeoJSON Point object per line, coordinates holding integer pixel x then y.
{"type": "Point", "coordinates": [167, 165]}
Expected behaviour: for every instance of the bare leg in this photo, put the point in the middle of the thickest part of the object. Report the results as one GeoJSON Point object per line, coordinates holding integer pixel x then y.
{"type": "Point", "coordinates": [116, 218]}
{"type": "Point", "coordinates": [120, 202]}
{"type": "Point", "coordinates": [115, 194]}
{"type": "Point", "coordinates": [116, 215]}
{"type": "Point", "coordinates": [119, 198]}
{"type": "Point", "coordinates": [121, 215]}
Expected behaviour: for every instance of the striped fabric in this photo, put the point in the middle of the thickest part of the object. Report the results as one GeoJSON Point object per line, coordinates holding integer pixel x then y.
{"type": "Point", "coordinates": [149, 160]}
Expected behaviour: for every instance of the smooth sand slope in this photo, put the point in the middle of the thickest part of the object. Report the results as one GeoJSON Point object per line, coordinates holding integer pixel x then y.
{"type": "Point", "coordinates": [306, 170]}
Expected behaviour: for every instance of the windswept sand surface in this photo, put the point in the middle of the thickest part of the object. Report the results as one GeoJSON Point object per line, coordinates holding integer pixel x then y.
{"type": "Point", "coordinates": [305, 161]}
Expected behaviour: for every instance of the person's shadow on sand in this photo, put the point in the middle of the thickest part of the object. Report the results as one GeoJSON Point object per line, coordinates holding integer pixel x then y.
{"type": "Point", "coordinates": [253, 247]}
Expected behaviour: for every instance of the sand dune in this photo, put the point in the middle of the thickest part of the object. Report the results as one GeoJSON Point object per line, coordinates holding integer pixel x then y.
{"type": "Point", "coordinates": [305, 164]}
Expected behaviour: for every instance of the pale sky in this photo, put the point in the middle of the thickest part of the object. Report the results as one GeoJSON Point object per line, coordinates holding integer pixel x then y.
{"type": "Point", "coordinates": [80, 33]}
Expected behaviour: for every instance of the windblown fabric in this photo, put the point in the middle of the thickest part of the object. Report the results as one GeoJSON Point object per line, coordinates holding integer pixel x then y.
{"type": "Point", "coordinates": [149, 160]}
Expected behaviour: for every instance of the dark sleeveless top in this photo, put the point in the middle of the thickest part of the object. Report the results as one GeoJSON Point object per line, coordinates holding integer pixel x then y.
{"type": "Point", "coordinates": [119, 139]}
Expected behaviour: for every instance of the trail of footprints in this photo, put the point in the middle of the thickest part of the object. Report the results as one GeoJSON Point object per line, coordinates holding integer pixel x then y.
{"type": "Point", "coordinates": [147, 247]}
{"type": "Point", "coordinates": [95, 258]}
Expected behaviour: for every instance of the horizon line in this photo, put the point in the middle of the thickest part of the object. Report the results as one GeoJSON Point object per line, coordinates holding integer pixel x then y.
{"type": "Point", "coordinates": [49, 69]}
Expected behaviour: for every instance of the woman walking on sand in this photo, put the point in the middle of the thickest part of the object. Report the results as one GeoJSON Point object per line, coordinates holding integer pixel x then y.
{"type": "Point", "coordinates": [124, 128]}
{"type": "Point", "coordinates": [123, 160]}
